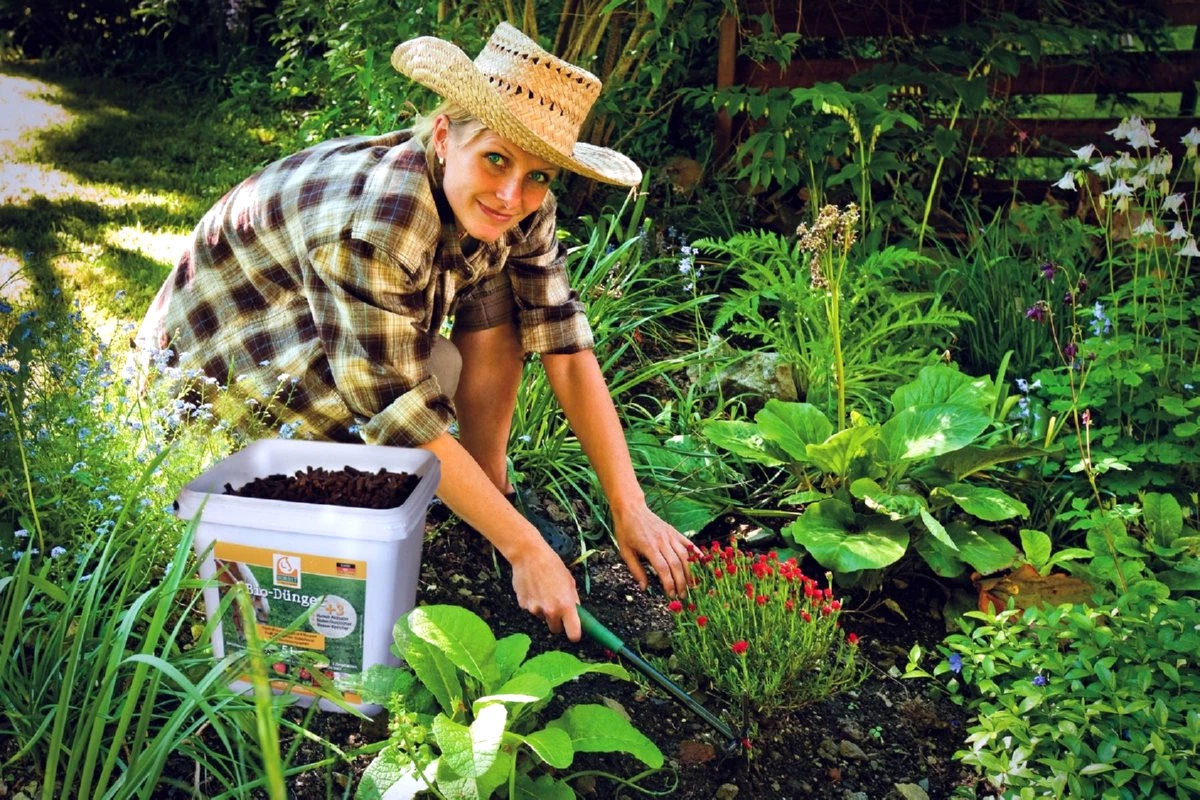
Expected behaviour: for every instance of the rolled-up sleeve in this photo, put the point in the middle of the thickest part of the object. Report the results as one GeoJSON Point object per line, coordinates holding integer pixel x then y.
{"type": "Point", "coordinates": [551, 318]}
{"type": "Point", "coordinates": [369, 313]}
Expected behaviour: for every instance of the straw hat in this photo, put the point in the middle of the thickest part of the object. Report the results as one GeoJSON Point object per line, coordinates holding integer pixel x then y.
{"type": "Point", "coordinates": [521, 92]}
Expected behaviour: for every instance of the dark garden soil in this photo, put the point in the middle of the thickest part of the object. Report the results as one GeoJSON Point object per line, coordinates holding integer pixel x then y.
{"type": "Point", "coordinates": [886, 739]}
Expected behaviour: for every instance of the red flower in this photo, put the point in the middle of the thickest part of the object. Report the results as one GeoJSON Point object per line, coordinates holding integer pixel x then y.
{"type": "Point", "coordinates": [674, 606]}
{"type": "Point", "coordinates": [807, 617]}
{"type": "Point", "coordinates": [790, 604]}
{"type": "Point", "coordinates": [852, 639]}
{"type": "Point", "coordinates": [718, 574]}
{"type": "Point", "coordinates": [739, 647]}
{"type": "Point", "coordinates": [701, 621]}
{"type": "Point", "coordinates": [835, 605]}
{"type": "Point", "coordinates": [761, 599]}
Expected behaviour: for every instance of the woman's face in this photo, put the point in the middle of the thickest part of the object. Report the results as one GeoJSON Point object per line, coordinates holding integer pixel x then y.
{"type": "Point", "coordinates": [490, 183]}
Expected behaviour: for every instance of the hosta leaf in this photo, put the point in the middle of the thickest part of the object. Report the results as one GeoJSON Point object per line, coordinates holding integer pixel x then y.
{"type": "Point", "coordinates": [793, 426]}
{"type": "Point", "coordinates": [835, 454]}
{"type": "Point", "coordinates": [969, 461]}
{"type": "Point", "coordinates": [986, 551]}
{"type": "Point", "coordinates": [895, 507]}
{"type": "Point", "coordinates": [594, 728]}
{"type": "Point", "coordinates": [942, 385]}
{"type": "Point", "coordinates": [984, 502]}
{"type": "Point", "coordinates": [832, 533]}
{"type": "Point", "coordinates": [929, 431]}
{"type": "Point", "coordinates": [742, 439]}
{"type": "Point", "coordinates": [943, 560]}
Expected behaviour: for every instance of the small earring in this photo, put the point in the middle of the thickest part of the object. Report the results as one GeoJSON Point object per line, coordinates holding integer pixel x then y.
{"type": "Point", "coordinates": [441, 161]}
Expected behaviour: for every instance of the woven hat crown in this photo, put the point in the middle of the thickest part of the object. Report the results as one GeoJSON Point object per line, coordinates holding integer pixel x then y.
{"type": "Point", "coordinates": [531, 97]}
{"type": "Point", "coordinates": [551, 95]}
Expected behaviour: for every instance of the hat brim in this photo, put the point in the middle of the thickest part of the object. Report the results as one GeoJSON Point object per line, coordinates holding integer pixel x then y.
{"type": "Point", "coordinates": [448, 71]}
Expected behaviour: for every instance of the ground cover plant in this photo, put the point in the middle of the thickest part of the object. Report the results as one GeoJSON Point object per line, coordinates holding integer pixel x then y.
{"type": "Point", "coordinates": [980, 418]}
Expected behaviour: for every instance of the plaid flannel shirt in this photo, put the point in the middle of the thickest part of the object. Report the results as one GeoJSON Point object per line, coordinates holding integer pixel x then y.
{"type": "Point", "coordinates": [323, 279]}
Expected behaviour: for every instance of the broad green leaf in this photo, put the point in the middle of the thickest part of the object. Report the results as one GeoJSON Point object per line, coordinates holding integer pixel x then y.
{"type": "Point", "coordinates": [742, 439]}
{"type": "Point", "coordinates": [558, 667]}
{"type": "Point", "coordinates": [552, 745]}
{"type": "Point", "coordinates": [928, 431]}
{"type": "Point", "coordinates": [685, 514]}
{"type": "Point", "coordinates": [943, 560]}
{"type": "Point", "coordinates": [594, 728]}
{"type": "Point", "coordinates": [378, 777]}
{"type": "Point", "coordinates": [939, 385]}
{"type": "Point", "coordinates": [991, 505]}
{"type": "Point", "coordinates": [836, 453]}
{"type": "Point", "coordinates": [510, 652]}
{"type": "Point", "coordinates": [793, 426]}
{"type": "Point", "coordinates": [487, 732]}
{"type": "Point", "coordinates": [986, 551]}
{"type": "Point", "coordinates": [895, 507]}
{"type": "Point", "coordinates": [1163, 517]}
{"type": "Point", "coordinates": [1036, 546]}
{"type": "Point", "coordinates": [546, 787]}
{"type": "Point", "coordinates": [803, 498]}
{"type": "Point", "coordinates": [971, 460]}
{"type": "Point", "coordinates": [522, 688]}
{"type": "Point", "coordinates": [380, 681]}
{"type": "Point", "coordinates": [459, 633]}
{"type": "Point", "coordinates": [937, 530]}
{"type": "Point", "coordinates": [437, 674]}
{"type": "Point", "coordinates": [834, 535]}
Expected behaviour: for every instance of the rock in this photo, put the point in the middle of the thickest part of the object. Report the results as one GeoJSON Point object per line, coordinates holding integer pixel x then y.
{"type": "Point", "coordinates": [848, 749]}
{"type": "Point", "coordinates": [657, 641]}
{"type": "Point", "coordinates": [692, 753]}
{"type": "Point", "coordinates": [827, 749]}
{"type": "Point", "coordinates": [852, 729]}
{"type": "Point", "coordinates": [727, 791]}
{"type": "Point", "coordinates": [910, 791]}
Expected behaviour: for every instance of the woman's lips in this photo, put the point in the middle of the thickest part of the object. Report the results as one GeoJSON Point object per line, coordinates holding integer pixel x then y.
{"type": "Point", "coordinates": [493, 214]}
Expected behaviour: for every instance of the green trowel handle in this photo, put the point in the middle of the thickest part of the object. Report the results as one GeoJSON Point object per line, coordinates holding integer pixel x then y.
{"type": "Point", "coordinates": [602, 635]}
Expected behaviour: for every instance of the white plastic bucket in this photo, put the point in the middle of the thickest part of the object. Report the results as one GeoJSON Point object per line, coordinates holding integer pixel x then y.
{"type": "Point", "coordinates": [359, 566]}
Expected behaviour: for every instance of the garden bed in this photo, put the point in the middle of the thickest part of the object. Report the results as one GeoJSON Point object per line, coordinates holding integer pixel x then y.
{"type": "Point", "coordinates": [861, 744]}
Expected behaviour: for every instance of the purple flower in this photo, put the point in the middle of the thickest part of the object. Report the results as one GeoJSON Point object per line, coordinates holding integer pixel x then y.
{"type": "Point", "coordinates": [1087, 418]}
{"type": "Point", "coordinates": [1040, 680]}
{"type": "Point", "coordinates": [1070, 350]}
{"type": "Point", "coordinates": [1036, 312]}
{"type": "Point", "coordinates": [955, 663]}
{"type": "Point", "coordinates": [1048, 270]}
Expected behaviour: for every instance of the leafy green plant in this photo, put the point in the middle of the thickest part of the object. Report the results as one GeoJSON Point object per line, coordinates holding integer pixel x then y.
{"type": "Point", "coordinates": [849, 329]}
{"type": "Point", "coordinates": [761, 632]}
{"type": "Point", "coordinates": [1078, 701]}
{"type": "Point", "coordinates": [867, 489]}
{"type": "Point", "coordinates": [465, 713]}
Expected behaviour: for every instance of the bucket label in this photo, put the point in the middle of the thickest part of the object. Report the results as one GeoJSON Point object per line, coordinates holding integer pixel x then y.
{"type": "Point", "coordinates": [328, 594]}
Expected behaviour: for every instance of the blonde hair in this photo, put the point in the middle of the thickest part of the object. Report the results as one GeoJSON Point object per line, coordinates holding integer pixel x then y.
{"type": "Point", "coordinates": [461, 121]}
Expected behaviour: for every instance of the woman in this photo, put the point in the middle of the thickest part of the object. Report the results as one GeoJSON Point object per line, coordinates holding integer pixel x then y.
{"type": "Point", "coordinates": [337, 267]}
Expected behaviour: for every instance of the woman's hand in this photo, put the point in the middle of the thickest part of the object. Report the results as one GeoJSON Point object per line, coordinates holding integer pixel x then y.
{"type": "Point", "coordinates": [545, 588]}
{"type": "Point", "coordinates": [642, 534]}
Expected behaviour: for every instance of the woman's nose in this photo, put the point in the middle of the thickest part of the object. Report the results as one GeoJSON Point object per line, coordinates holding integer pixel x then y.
{"type": "Point", "coordinates": [509, 192]}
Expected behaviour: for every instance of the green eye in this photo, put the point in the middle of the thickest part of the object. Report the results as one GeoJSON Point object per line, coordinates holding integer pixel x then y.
{"type": "Point", "coordinates": [540, 177]}
{"type": "Point", "coordinates": [495, 159]}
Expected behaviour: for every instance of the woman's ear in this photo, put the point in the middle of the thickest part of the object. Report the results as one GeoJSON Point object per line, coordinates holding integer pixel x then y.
{"type": "Point", "coordinates": [441, 135]}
